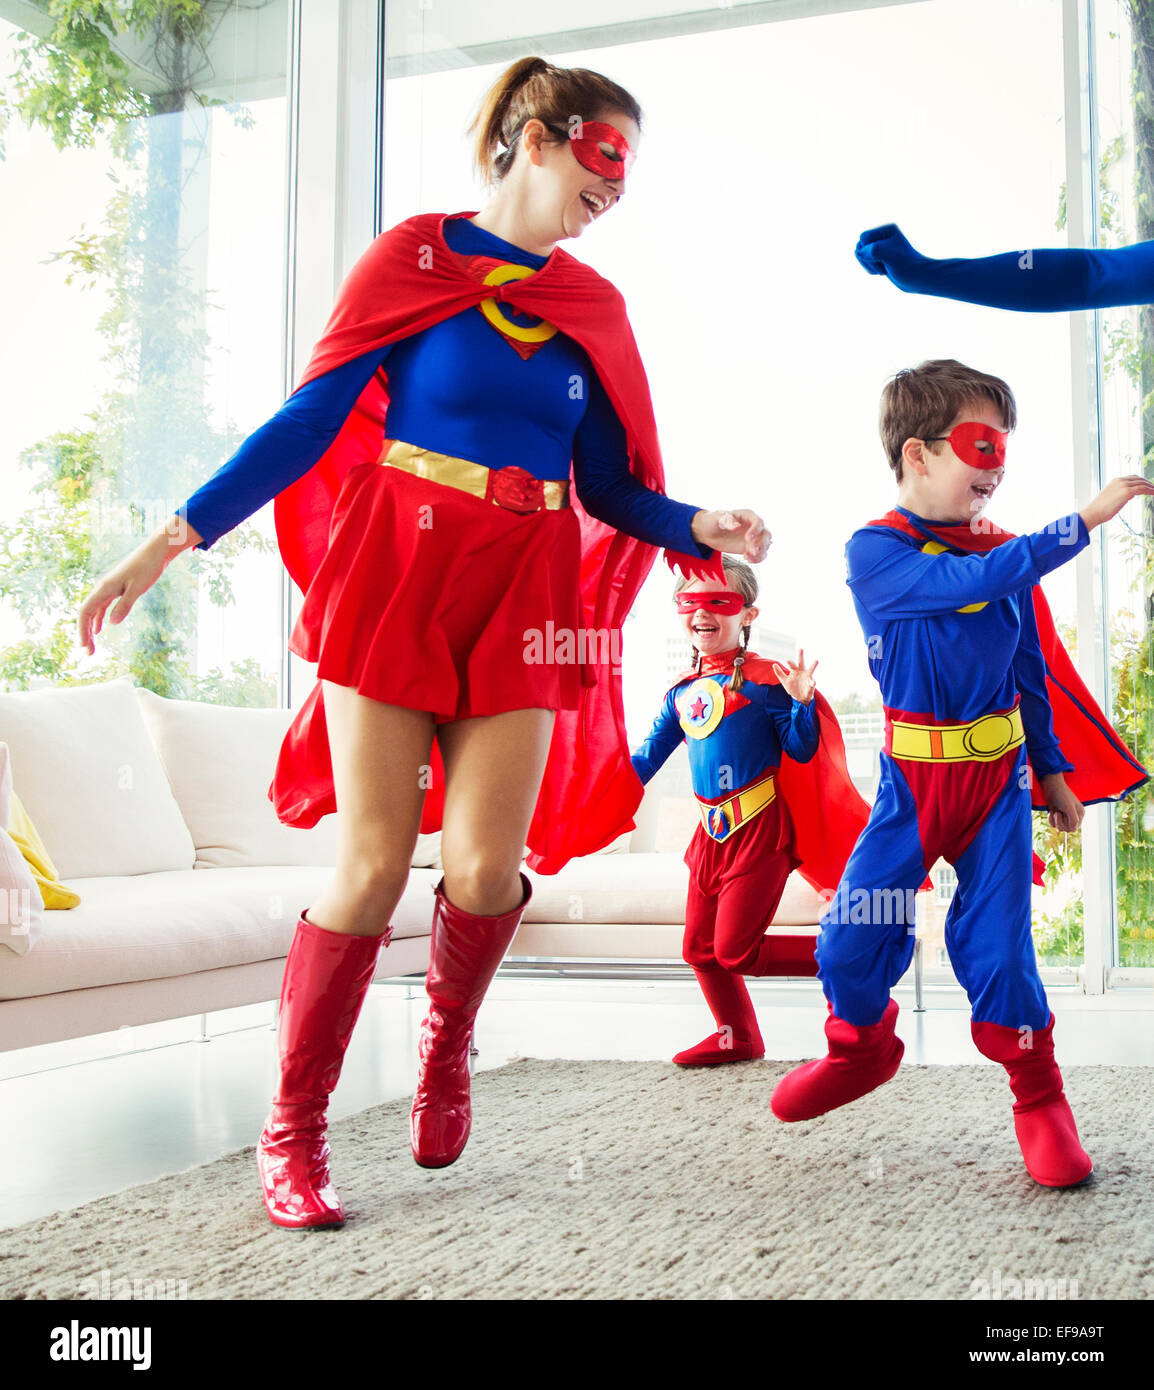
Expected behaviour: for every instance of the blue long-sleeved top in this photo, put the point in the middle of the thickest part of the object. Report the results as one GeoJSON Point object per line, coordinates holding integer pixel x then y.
{"type": "Point", "coordinates": [931, 658]}
{"type": "Point", "coordinates": [460, 388]}
{"type": "Point", "coordinates": [1044, 281]}
{"type": "Point", "coordinates": [758, 724]}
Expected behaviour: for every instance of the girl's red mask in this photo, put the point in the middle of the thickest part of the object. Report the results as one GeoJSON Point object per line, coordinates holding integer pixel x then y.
{"type": "Point", "coordinates": [711, 601]}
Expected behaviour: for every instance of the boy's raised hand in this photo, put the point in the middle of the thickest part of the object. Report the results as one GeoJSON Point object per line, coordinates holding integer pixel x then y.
{"type": "Point", "coordinates": [1114, 496]}
{"type": "Point", "coordinates": [796, 679]}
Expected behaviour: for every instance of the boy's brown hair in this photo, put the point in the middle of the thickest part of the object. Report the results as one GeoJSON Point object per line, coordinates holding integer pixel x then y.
{"type": "Point", "coordinates": [922, 402]}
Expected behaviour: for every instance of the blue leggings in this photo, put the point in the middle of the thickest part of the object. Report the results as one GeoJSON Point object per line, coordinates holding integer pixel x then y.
{"type": "Point", "coordinates": [867, 936]}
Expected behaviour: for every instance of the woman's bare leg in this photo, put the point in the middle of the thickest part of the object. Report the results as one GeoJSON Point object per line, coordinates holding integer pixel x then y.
{"type": "Point", "coordinates": [379, 753]}
{"type": "Point", "coordinates": [493, 770]}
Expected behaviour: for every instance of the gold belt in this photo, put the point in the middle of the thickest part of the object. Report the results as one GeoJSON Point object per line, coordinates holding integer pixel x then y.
{"type": "Point", "coordinates": [981, 740]}
{"type": "Point", "coordinates": [513, 488]}
{"type": "Point", "coordinates": [722, 819]}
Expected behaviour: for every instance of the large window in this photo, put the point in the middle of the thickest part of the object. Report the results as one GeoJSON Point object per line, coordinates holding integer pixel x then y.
{"type": "Point", "coordinates": [145, 303]}
{"type": "Point", "coordinates": [1123, 151]}
{"type": "Point", "coordinates": [769, 145]}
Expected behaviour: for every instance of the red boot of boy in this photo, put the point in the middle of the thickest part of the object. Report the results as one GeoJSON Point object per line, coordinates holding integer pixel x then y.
{"type": "Point", "coordinates": [465, 952]}
{"type": "Point", "coordinates": [859, 1060]}
{"type": "Point", "coordinates": [738, 1038]}
{"type": "Point", "coordinates": [1043, 1120]}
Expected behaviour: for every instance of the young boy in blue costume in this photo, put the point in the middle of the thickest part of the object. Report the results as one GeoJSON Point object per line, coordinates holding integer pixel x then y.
{"type": "Point", "coordinates": [950, 612]}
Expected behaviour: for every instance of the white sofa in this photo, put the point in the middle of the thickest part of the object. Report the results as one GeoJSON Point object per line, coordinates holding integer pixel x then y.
{"type": "Point", "coordinates": [156, 813]}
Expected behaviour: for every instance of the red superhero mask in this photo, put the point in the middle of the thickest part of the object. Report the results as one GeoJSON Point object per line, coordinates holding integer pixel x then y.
{"type": "Point", "coordinates": [981, 446]}
{"type": "Point", "coordinates": [711, 601]}
{"type": "Point", "coordinates": [587, 137]}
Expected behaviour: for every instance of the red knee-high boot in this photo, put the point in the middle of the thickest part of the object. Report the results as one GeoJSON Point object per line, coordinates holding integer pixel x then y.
{"type": "Point", "coordinates": [1043, 1121]}
{"type": "Point", "coordinates": [464, 955]}
{"type": "Point", "coordinates": [785, 955]}
{"type": "Point", "coordinates": [859, 1060]}
{"type": "Point", "coordinates": [738, 1038]}
{"type": "Point", "coordinates": [327, 975]}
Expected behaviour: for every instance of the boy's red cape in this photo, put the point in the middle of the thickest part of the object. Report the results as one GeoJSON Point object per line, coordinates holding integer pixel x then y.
{"type": "Point", "coordinates": [828, 811]}
{"type": "Point", "coordinates": [406, 281]}
{"type": "Point", "coordinates": [1104, 768]}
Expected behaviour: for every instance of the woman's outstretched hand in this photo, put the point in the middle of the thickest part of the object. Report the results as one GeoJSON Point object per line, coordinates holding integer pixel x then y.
{"type": "Point", "coordinates": [123, 585]}
{"type": "Point", "coordinates": [737, 532]}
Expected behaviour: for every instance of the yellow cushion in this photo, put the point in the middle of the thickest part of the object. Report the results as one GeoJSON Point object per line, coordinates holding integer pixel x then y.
{"type": "Point", "coordinates": [31, 846]}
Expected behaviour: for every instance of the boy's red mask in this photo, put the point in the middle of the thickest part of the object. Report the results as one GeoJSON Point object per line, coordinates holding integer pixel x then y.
{"type": "Point", "coordinates": [711, 601]}
{"type": "Point", "coordinates": [587, 138]}
{"type": "Point", "coordinates": [981, 446]}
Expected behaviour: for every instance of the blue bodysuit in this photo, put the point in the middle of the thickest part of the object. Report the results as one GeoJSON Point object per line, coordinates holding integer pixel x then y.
{"type": "Point", "coordinates": [952, 640]}
{"type": "Point", "coordinates": [449, 389]}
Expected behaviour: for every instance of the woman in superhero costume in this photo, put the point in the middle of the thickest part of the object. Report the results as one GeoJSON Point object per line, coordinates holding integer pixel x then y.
{"type": "Point", "coordinates": [762, 814]}
{"type": "Point", "coordinates": [470, 457]}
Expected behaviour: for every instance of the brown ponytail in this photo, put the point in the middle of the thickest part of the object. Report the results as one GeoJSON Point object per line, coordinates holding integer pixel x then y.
{"type": "Point", "coordinates": [533, 87]}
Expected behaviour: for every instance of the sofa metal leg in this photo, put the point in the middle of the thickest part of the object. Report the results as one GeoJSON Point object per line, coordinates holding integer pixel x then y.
{"type": "Point", "coordinates": [919, 1007]}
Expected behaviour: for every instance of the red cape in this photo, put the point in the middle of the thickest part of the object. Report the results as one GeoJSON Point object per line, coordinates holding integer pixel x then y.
{"type": "Point", "coordinates": [406, 281]}
{"type": "Point", "coordinates": [1104, 768]}
{"type": "Point", "coordinates": [828, 811]}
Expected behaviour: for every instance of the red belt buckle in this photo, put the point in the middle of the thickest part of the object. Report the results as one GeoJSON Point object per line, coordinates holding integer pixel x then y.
{"type": "Point", "coordinates": [515, 489]}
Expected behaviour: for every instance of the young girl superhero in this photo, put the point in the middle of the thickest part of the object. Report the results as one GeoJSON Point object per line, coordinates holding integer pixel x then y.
{"type": "Point", "coordinates": [762, 814]}
{"type": "Point", "coordinates": [984, 716]}
{"type": "Point", "coordinates": [428, 541]}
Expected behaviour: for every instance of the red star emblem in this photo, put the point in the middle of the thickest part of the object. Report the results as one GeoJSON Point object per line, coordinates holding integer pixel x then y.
{"type": "Point", "coordinates": [697, 709]}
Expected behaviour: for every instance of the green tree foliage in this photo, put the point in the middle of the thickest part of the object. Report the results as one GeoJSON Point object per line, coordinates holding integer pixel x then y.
{"type": "Point", "coordinates": [1128, 352]}
{"type": "Point", "coordinates": [105, 484]}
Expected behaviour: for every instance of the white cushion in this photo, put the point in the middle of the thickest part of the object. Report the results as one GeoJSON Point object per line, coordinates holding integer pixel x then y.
{"type": "Point", "coordinates": [92, 782]}
{"type": "Point", "coordinates": [21, 902]}
{"type": "Point", "coordinates": [220, 761]}
{"type": "Point", "coordinates": [646, 889]}
{"type": "Point", "coordinates": [156, 926]}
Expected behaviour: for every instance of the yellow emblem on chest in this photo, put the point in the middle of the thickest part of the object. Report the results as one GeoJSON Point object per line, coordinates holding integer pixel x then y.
{"type": "Point", "coordinates": [936, 548]}
{"type": "Point", "coordinates": [500, 275]}
{"type": "Point", "coordinates": [701, 708]}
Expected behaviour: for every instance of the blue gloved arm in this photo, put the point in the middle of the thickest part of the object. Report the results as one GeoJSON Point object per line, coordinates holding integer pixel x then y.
{"type": "Point", "coordinates": [1040, 281]}
{"type": "Point", "coordinates": [609, 491]}
{"type": "Point", "coordinates": [1030, 677]}
{"type": "Point", "coordinates": [894, 579]}
{"type": "Point", "coordinates": [280, 451]}
{"type": "Point", "coordinates": [661, 740]}
{"type": "Point", "coordinates": [796, 724]}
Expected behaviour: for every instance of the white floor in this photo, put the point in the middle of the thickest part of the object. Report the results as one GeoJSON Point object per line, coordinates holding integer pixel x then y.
{"type": "Point", "coordinates": [83, 1119]}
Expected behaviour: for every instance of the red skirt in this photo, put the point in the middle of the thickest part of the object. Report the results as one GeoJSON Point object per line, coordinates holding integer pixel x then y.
{"type": "Point", "coordinates": [432, 599]}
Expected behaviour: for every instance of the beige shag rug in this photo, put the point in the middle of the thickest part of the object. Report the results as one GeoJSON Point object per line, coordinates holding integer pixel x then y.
{"type": "Point", "coordinates": [637, 1180]}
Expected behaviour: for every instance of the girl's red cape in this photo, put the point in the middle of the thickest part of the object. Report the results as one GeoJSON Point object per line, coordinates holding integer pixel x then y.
{"type": "Point", "coordinates": [1104, 768]}
{"type": "Point", "coordinates": [828, 811]}
{"type": "Point", "coordinates": [406, 281]}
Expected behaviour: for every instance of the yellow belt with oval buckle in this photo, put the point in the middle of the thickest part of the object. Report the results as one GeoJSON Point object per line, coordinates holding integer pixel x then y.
{"type": "Point", "coordinates": [982, 740]}
{"type": "Point", "coordinates": [497, 485]}
{"type": "Point", "coordinates": [722, 819]}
